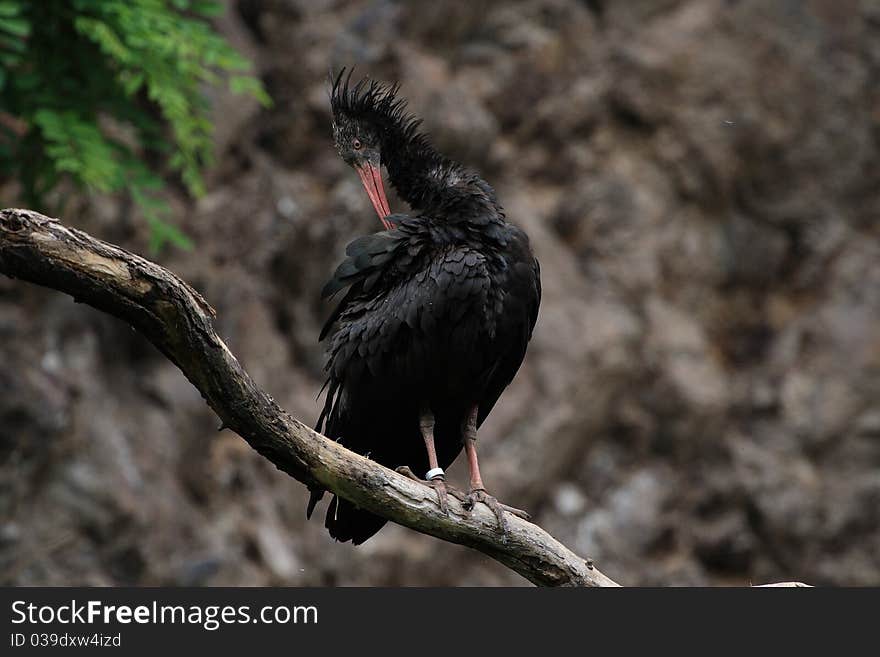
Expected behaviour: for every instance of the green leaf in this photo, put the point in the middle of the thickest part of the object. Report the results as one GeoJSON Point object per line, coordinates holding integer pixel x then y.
{"type": "Point", "coordinates": [9, 8]}
{"type": "Point", "coordinates": [245, 84]}
{"type": "Point", "coordinates": [131, 82]}
{"type": "Point", "coordinates": [163, 233]}
{"type": "Point", "coordinates": [17, 26]}
{"type": "Point", "coordinates": [208, 8]}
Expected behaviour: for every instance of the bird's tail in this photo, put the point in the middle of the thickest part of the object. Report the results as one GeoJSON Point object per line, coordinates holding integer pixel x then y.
{"type": "Point", "coordinates": [315, 496]}
{"type": "Point", "coordinates": [347, 522]}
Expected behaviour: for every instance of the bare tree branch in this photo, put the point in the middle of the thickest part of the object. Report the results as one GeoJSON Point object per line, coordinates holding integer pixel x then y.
{"type": "Point", "coordinates": [175, 318]}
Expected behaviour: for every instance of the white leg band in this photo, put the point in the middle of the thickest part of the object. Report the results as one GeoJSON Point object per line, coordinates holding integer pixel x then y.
{"type": "Point", "coordinates": [435, 473]}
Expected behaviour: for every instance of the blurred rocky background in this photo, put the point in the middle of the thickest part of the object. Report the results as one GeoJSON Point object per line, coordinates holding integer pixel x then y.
{"type": "Point", "coordinates": [699, 405]}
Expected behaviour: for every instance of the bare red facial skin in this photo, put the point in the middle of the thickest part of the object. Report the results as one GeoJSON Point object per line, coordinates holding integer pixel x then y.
{"type": "Point", "coordinates": [371, 177]}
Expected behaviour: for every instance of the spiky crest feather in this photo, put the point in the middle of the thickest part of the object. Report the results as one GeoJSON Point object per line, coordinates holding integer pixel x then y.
{"type": "Point", "coordinates": [376, 103]}
{"type": "Point", "coordinates": [423, 177]}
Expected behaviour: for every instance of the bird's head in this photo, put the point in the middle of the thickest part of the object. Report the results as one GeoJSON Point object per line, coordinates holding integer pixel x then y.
{"type": "Point", "coordinates": [360, 113]}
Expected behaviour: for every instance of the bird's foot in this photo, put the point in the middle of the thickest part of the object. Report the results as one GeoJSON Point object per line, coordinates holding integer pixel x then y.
{"type": "Point", "coordinates": [438, 484]}
{"type": "Point", "coordinates": [442, 493]}
{"type": "Point", "coordinates": [480, 495]}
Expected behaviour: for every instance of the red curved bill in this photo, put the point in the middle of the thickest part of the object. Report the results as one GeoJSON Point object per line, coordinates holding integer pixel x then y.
{"type": "Point", "coordinates": [371, 177]}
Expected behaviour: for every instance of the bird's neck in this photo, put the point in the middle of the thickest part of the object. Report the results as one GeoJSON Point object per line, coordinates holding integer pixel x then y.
{"type": "Point", "coordinates": [433, 184]}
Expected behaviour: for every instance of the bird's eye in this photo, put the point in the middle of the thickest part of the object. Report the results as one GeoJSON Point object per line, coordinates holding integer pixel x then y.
{"type": "Point", "coordinates": [357, 145]}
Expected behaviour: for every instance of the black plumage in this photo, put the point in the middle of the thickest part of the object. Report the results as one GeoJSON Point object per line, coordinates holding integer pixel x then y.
{"type": "Point", "coordinates": [438, 309]}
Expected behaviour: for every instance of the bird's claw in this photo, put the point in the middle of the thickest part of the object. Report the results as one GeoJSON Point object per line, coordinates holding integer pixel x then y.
{"type": "Point", "coordinates": [439, 485]}
{"type": "Point", "coordinates": [480, 495]}
{"type": "Point", "coordinates": [443, 489]}
{"type": "Point", "coordinates": [468, 500]}
{"type": "Point", "coordinates": [408, 473]}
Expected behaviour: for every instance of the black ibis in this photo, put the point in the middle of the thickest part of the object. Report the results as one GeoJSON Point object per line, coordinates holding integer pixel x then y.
{"type": "Point", "coordinates": [438, 310]}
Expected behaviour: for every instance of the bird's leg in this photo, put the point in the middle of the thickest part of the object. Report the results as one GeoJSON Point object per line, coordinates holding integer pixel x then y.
{"type": "Point", "coordinates": [477, 491]}
{"type": "Point", "coordinates": [435, 476]}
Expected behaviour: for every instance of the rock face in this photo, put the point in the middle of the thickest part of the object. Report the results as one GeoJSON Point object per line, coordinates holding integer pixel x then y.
{"type": "Point", "coordinates": [701, 182]}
